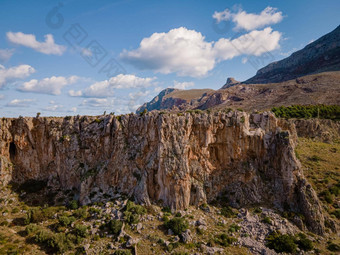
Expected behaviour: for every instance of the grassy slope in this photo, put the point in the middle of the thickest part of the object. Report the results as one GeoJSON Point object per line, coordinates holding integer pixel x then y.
{"type": "Point", "coordinates": [321, 166]}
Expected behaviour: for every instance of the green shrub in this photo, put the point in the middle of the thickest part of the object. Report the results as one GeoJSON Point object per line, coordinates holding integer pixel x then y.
{"type": "Point", "coordinates": [32, 228]}
{"type": "Point", "coordinates": [177, 225]}
{"type": "Point", "coordinates": [267, 220]}
{"type": "Point", "coordinates": [81, 213]}
{"type": "Point", "coordinates": [66, 221]}
{"type": "Point", "coordinates": [166, 210]}
{"type": "Point", "coordinates": [336, 213]}
{"type": "Point", "coordinates": [333, 247]}
{"type": "Point", "coordinates": [257, 210]}
{"type": "Point", "coordinates": [327, 196]}
{"type": "Point", "coordinates": [133, 212]}
{"type": "Point", "coordinates": [80, 230]}
{"type": "Point", "coordinates": [73, 205]}
{"type": "Point", "coordinates": [308, 111]}
{"type": "Point", "coordinates": [281, 243]}
{"type": "Point", "coordinates": [227, 212]}
{"type": "Point", "coordinates": [131, 218]}
{"type": "Point", "coordinates": [234, 228]}
{"type": "Point", "coordinates": [304, 243]}
{"type": "Point", "coordinates": [93, 210]}
{"type": "Point", "coordinates": [36, 215]}
{"type": "Point", "coordinates": [15, 210]}
{"type": "Point", "coordinates": [224, 240]}
{"type": "Point", "coordinates": [115, 226]}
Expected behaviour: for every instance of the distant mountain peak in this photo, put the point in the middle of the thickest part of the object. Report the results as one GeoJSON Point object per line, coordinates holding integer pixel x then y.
{"type": "Point", "coordinates": [230, 82]}
{"type": "Point", "coordinates": [319, 56]}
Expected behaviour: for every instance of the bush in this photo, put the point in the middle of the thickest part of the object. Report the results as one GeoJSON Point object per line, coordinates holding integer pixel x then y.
{"type": "Point", "coordinates": [66, 221]}
{"type": "Point", "coordinates": [132, 212]}
{"type": "Point", "coordinates": [80, 230]}
{"type": "Point", "coordinates": [227, 212]}
{"type": "Point", "coordinates": [327, 196]}
{"type": "Point", "coordinates": [177, 225]}
{"type": "Point", "coordinates": [31, 229]}
{"type": "Point", "coordinates": [281, 243]}
{"type": "Point", "coordinates": [234, 228]}
{"type": "Point", "coordinates": [308, 111]}
{"type": "Point", "coordinates": [115, 226]}
{"type": "Point", "coordinates": [336, 213]}
{"type": "Point", "coordinates": [81, 213]}
{"type": "Point", "coordinates": [73, 205]}
{"type": "Point", "coordinates": [225, 240]}
{"type": "Point", "coordinates": [267, 220]}
{"type": "Point", "coordinates": [333, 247]}
{"type": "Point", "coordinates": [304, 243]}
{"type": "Point", "coordinates": [36, 215]}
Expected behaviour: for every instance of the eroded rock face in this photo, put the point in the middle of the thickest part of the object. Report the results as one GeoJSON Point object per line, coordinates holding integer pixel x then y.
{"type": "Point", "coordinates": [177, 159]}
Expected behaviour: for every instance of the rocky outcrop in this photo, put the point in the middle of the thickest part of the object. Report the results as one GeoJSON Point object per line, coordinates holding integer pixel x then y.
{"type": "Point", "coordinates": [319, 56]}
{"type": "Point", "coordinates": [175, 159]}
{"type": "Point", "coordinates": [157, 102]}
{"type": "Point", "coordinates": [230, 82]}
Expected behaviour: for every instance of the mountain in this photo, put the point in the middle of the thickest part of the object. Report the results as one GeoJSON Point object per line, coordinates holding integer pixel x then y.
{"type": "Point", "coordinates": [319, 56]}
{"type": "Point", "coordinates": [176, 99]}
{"type": "Point", "coordinates": [308, 76]}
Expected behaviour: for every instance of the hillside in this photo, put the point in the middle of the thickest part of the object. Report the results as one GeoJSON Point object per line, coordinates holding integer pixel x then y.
{"type": "Point", "coordinates": [308, 76]}
{"type": "Point", "coordinates": [319, 56]}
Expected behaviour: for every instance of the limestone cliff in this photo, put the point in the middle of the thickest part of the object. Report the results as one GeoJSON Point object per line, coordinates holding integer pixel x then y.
{"type": "Point", "coordinates": [175, 159]}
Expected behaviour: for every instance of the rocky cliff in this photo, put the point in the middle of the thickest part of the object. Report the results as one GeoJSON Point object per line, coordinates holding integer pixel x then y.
{"type": "Point", "coordinates": [174, 159]}
{"type": "Point", "coordinates": [319, 56]}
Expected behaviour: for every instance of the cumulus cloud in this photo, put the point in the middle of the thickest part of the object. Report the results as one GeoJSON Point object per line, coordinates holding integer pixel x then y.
{"type": "Point", "coordinates": [29, 40]}
{"type": "Point", "coordinates": [254, 43]}
{"type": "Point", "coordinates": [106, 88]}
{"type": "Point", "coordinates": [98, 102]}
{"type": "Point", "coordinates": [21, 102]}
{"type": "Point", "coordinates": [16, 72]}
{"type": "Point", "coordinates": [187, 53]}
{"type": "Point", "coordinates": [54, 108]}
{"type": "Point", "coordinates": [6, 54]}
{"type": "Point", "coordinates": [182, 85]}
{"type": "Point", "coordinates": [250, 21]}
{"type": "Point", "coordinates": [73, 109]}
{"type": "Point", "coordinates": [52, 85]}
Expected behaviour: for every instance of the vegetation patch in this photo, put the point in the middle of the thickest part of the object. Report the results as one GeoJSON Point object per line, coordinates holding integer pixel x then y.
{"type": "Point", "coordinates": [308, 111]}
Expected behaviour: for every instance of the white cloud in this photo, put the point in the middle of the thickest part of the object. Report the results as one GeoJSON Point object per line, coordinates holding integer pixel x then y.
{"type": "Point", "coordinates": [187, 53]}
{"type": "Point", "coordinates": [220, 16]}
{"type": "Point", "coordinates": [180, 50]}
{"type": "Point", "coordinates": [106, 88]}
{"type": "Point", "coordinates": [73, 109]}
{"type": "Point", "coordinates": [16, 72]}
{"type": "Point", "coordinates": [52, 85]}
{"type": "Point", "coordinates": [182, 85]}
{"type": "Point", "coordinates": [29, 40]}
{"type": "Point", "coordinates": [6, 54]}
{"type": "Point", "coordinates": [250, 21]}
{"type": "Point", "coordinates": [98, 102]}
{"type": "Point", "coordinates": [21, 102]}
{"type": "Point", "coordinates": [54, 108]}
{"type": "Point", "coordinates": [74, 93]}
{"type": "Point", "coordinates": [254, 43]}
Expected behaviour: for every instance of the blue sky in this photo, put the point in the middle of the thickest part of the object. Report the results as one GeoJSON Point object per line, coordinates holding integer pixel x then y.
{"type": "Point", "coordinates": [85, 57]}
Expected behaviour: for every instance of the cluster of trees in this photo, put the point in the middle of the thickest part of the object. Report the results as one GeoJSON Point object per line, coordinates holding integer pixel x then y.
{"type": "Point", "coordinates": [308, 111]}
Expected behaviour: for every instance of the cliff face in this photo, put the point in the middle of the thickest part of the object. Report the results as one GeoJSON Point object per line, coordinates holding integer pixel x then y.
{"type": "Point", "coordinates": [176, 160]}
{"type": "Point", "coordinates": [319, 56]}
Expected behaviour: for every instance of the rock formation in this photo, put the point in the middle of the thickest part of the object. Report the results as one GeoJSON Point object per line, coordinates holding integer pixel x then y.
{"type": "Point", "coordinates": [319, 56]}
{"type": "Point", "coordinates": [175, 159]}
